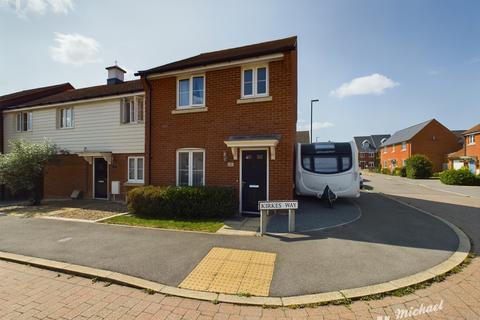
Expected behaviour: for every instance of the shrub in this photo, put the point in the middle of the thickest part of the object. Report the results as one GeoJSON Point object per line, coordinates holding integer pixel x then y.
{"type": "Point", "coordinates": [386, 171]}
{"type": "Point", "coordinates": [400, 171]}
{"type": "Point", "coordinates": [183, 202]}
{"type": "Point", "coordinates": [21, 170]}
{"type": "Point", "coordinates": [419, 167]}
{"type": "Point", "coordinates": [461, 177]}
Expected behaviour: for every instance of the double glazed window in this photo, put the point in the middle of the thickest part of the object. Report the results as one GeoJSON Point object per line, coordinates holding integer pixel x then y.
{"type": "Point", "coordinates": [191, 92]}
{"type": "Point", "coordinates": [190, 167]}
{"type": "Point", "coordinates": [471, 139]}
{"type": "Point", "coordinates": [24, 121]}
{"type": "Point", "coordinates": [135, 169]}
{"type": "Point", "coordinates": [132, 110]}
{"type": "Point", "coordinates": [65, 118]}
{"type": "Point", "coordinates": [404, 146]}
{"type": "Point", "coordinates": [254, 82]}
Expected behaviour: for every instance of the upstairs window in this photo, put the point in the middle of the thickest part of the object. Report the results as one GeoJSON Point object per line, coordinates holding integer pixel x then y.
{"type": "Point", "coordinates": [191, 92]}
{"type": "Point", "coordinates": [254, 82]}
{"type": "Point", "coordinates": [471, 139]}
{"type": "Point", "coordinates": [135, 169]}
{"type": "Point", "coordinates": [65, 118]}
{"type": "Point", "coordinates": [24, 121]}
{"type": "Point", "coordinates": [132, 110]}
{"type": "Point", "coordinates": [404, 146]}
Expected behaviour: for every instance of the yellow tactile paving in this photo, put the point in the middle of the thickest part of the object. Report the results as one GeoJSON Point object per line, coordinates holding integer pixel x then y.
{"type": "Point", "coordinates": [233, 271]}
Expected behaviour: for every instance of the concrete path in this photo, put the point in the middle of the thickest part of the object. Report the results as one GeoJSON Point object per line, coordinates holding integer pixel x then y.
{"type": "Point", "coordinates": [31, 293]}
{"type": "Point", "coordinates": [390, 241]}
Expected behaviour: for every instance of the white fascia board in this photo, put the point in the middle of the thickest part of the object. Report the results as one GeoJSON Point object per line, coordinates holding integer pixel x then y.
{"type": "Point", "coordinates": [223, 65]}
{"type": "Point", "coordinates": [76, 102]}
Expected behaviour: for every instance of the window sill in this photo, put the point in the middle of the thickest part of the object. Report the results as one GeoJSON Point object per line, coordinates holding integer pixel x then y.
{"type": "Point", "coordinates": [189, 110]}
{"type": "Point", "coordinates": [133, 184]}
{"type": "Point", "coordinates": [131, 123]}
{"type": "Point", "coordinates": [254, 99]}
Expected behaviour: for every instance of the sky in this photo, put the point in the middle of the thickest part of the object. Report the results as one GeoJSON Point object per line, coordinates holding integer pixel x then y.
{"type": "Point", "coordinates": [376, 66]}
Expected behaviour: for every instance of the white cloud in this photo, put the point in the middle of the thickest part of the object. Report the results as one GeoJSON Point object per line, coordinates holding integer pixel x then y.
{"type": "Point", "coordinates": [305, 125]}
{"type": "Point", "coordinates": [74, 49]}
{"type": "Point", "coordinates": [24, 7]}
{"type": "Point", "coordinates": [473, 60]}
{"type": "Point", "coordinates": [374, 84]}
{"type": "Point", "coordinates": [433, 72]}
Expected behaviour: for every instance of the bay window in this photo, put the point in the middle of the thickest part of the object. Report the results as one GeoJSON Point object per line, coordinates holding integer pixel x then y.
{"type": "Point", "coordinates": [191, 167]}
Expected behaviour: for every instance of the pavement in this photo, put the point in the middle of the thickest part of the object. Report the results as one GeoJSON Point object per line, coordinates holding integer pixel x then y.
{"type": "Point", "coordinates": [388, 242]}
{"type": "Point", "coordinates": [31, 293]}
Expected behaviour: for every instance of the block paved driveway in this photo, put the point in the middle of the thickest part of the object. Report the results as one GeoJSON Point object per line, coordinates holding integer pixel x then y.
{"type": "Point", "coordinates": [31, 293]}
{"type": "Point", "coordinates": [388, 242]}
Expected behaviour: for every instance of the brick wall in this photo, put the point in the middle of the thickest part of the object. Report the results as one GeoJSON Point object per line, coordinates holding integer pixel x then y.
{"type": "Point", "coordinates": [436, 142]}
{"type": "Point", "coordinates": [394, 153]}
{"type": "Point", "coordinates": [71, 172]}
{"type": "Point", "coordinates": [365, 158]}
{"type": "Point", "coordinates": [208, 130]}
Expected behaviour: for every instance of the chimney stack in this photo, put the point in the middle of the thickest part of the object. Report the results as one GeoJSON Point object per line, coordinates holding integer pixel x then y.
{"type": "Point", "coordinates": [115, 74]}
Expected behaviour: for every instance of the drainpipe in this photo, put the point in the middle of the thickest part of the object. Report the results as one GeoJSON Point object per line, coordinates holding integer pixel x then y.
{"type": "Point", "coordinates": [149, 133]}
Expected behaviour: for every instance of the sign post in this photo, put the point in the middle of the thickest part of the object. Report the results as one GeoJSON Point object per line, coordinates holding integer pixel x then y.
{"type": "Point", "coordinates": [265, 206]}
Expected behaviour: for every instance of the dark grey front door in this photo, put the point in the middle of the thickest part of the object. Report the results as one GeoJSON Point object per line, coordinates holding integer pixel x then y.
{"type": "Point", "coordinates": [100, 178]}
{"type": "Point", "coordinates": [254, 179]}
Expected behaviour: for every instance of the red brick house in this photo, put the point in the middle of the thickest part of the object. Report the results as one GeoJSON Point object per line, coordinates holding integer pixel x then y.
{"type": "Point", "coordinates": [368, 149]}
{"type": "Point", "coordinates": [429, 138]}
{"type": "Point", "coordinates": [469, 155]}
{"type": "Point", "coordinates": [225, 118]}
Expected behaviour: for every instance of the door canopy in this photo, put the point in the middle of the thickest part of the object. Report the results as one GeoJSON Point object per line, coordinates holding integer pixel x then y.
{"type": "Point", "coordinates": [89, 155]}
{"type": "Point", "coordinates": [253, 141]}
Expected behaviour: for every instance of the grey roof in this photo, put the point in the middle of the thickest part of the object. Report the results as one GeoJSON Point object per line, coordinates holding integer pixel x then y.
{"type": "Point", "coordinates": [374, 142]}
{"type": "Point", "coordinates": [406, 134]}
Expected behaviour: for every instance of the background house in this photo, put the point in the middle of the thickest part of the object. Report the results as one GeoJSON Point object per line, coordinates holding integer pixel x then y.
{"type": "Point", "coordinates": [368, 147]}
{"type": "Point", "coordinates": [101, 129]}
{"type": "Point", "coordinates": [429, 138]}
{"type": "Point", "coordinates": [471, 154]}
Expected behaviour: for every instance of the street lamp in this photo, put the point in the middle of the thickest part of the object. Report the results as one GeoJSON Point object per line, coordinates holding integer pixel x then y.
{"type": "Point", "coordinates": [311, 119]}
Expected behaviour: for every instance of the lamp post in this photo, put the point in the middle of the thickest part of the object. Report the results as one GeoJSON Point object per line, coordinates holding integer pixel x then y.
{"type": "Point", "coordinates": [311, 118]}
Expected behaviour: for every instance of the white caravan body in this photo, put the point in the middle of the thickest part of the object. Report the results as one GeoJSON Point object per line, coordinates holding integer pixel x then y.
{"type": "Point", "coordinates": [332, 164]}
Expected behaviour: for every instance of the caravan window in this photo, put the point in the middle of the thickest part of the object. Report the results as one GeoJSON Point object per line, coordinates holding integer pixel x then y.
{"type": "Point", "coordinates": [325, 164]}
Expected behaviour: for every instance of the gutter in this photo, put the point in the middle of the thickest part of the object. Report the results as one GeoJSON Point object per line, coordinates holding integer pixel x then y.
{"type": "Point", "coordinates": [148, 147]}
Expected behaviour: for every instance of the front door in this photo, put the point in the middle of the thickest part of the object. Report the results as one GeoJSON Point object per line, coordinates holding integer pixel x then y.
{"type": "Point", "coordinates": [100, 178]}
{"type": "Point", "coordinates": [254, 179]}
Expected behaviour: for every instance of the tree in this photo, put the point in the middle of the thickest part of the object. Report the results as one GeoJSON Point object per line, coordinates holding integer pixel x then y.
{"type": "Point", "coordinates": [21, 170]}
{"type": "Point", "coordinates": [419, 167]}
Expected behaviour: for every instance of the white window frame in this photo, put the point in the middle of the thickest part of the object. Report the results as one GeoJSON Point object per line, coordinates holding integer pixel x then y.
{"type": "Point", "coordinates": [393, 148]}
{"type": "Point", "coordinates": [471, 139]}
{"type": "Point", "coordinates": [404, 146]}
{"type": "Point", "coordinates": [133, 113]}
{"type": "Point", "coordinates": [385, 149]}
{"type": "Point", "coordinates": [63, 124]}
{"type": "Point", "coordinates": [20, 126]}
{"type": "Point", "coordinates": [190, 152]}
{"type": "Point", "coordinates": [136, 179]}
{"type": "Point", "coordinates": [190, 91]}
{"type": "Point", "coordinates": [255, 68]}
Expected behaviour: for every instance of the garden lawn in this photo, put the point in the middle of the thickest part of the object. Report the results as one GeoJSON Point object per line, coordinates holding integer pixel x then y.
{"type": "Point", "coordinates": [190, 225]}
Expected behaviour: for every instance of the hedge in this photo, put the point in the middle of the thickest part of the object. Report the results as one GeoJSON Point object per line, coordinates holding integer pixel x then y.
{"type": "Point", "coordinates": [419, 167]}
{"type": "Point", "coordinates": [183, 202]}
{"type": "Point", "coordinates": [400, 171]}
{"type": "Point", "coordinates": [461, 177]}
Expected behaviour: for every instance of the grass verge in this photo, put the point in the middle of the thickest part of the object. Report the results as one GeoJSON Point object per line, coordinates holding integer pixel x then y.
{"type": "Point", "coordinates": [190, 225]}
